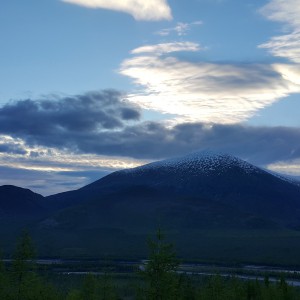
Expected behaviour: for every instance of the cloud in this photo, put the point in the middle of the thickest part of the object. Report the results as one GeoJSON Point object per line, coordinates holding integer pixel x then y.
{"type": "Point", "coordinates": [180, 29]}
{"type": "Point", "coordinates": [287, 46]}
{"type": "Point", "coordinates": [48, 164]}
{"type": "Point", "coordinates": [8, 145]}
{"type": "Point", "coordinates": [290, 168]}
{"type": "Point", "coordinates": [108, 148]}
{"type": "Point", "coordinates": [62, 160]}
{"type": "Point", "coordinates": [53, 170]}
{"type": "Point", "coordinates": [287, 12]}
{"type": "Point", "coordinates": [55, 120]}
{"type": "Point", "coordinates": [205, 92]}
{"type": "Point", "coordinates": [149, 10]}
{"type": "Point", "coordinates": [160, 49]}
{"type": "Point", "coordinates": [49, 170]}
{"type": "Point", "coordinates": [42, 136]}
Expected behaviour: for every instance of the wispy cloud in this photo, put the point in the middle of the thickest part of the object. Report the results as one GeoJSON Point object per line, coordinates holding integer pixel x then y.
{"type": "Point", "coordinates": [163, 48]}
{"type": "Point", "coordinates": [287, 12]}
{"type": "Point", "coordinates": [53, 170]}
{"type": "Point", "coordinates": [40, 158]}
{"type": "Point", "coordinates": [205, 92]}
{"type": "Point", "coordinates": [286, 167]}
{"type": "Point", "coordinates": [287, 46]}
{"type": "Point", "coordinates": [149, 10]}
{"type": "Point", "coordinates": [180, 29]}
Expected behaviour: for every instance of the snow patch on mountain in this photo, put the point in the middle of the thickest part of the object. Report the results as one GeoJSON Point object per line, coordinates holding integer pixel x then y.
{"type": "Point", "coordinates": [198, 162]}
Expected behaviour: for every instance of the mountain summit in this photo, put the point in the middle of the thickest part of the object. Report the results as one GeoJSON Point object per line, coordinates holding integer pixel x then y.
{"type": "Point", "coordinates": [186, 172]}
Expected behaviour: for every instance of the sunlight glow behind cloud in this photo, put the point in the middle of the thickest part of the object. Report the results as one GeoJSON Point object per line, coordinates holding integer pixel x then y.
{"type": "Point", "coordinates": [53, 160]}
{"type": "Point", "coordinates": [148, 10]}
{"type": "Point", "coordinates": [205, 92]}
{"type": "Point", "coordinates": [286, 167]}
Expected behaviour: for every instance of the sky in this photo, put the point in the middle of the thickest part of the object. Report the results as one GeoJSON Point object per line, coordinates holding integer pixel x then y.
{"type": "Point", "coordinates": [89, 87]}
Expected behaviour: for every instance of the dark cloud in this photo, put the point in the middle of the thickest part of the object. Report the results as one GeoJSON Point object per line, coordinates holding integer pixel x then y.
{"type": "Point", "coordinates": [97, 123]}
{"type": "Point", "coordinates": [260, 145]}
{"type": "Point", "coordinates": [70, 115]}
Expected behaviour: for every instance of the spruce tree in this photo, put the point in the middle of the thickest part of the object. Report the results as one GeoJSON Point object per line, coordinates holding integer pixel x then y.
{"type": "Point", "coordinates": [22, 264]}
{"type": "Point", "coordinates": [160, 270]}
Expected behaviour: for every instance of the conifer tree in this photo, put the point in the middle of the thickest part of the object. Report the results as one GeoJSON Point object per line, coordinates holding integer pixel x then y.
{"type": "Point", "coordinates": [23, 265]}
{"type": "Point", "coordinates": [160, 270]}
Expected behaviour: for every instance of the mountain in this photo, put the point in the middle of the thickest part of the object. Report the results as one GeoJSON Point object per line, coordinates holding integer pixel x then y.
{"type": "Point", "coordinates": [20, 203]}
{"type": "Point", "coordinates": [205, 177]}
{"type": "Point", "coordinates": [215, 207]}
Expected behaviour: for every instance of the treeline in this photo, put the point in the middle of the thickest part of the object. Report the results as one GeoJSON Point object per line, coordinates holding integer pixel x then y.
{"type": "Point", "coordinates": [157, 279]}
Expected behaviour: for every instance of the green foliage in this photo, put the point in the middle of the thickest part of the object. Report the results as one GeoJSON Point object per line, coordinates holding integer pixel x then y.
{"type": "Point", "coordinates": [4, 282]}
{"type": "Point", "coordinates": [74, 295]}
{"type": "Point", "coordinates": [162, 281]}
{"type": "Point", "coordinates": [20, 281]}
{"type": "Point", "coordinates": [23, 277]}
{"type": "Point", "coordinates": [233, 289]}
{"type": "Point", "coordinates": [94, 288]}
{"type": "Point", "coordinates": [107, 288]}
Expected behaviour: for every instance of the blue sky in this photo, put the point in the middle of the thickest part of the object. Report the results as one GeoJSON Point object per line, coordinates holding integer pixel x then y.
{"type": "Point", "coordinates": [92, 86]}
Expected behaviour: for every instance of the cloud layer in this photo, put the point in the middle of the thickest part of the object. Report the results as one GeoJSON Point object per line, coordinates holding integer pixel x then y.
{"type": "Point", "coordinates": [148, 10]}
{"type": "Point", "coordinates": [30, 127]}
{"type": "Point", "coordinates": [55, 120]}
{"type": "Point", "coordinates": [205, 92]}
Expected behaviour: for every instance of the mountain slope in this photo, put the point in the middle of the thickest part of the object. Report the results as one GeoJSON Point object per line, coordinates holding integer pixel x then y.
{"type": "Point", "coordinates": [19, 202]}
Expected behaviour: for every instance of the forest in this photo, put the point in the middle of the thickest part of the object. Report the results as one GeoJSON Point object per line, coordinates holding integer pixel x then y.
{"type": "Point", "coordinates": [158, 278]}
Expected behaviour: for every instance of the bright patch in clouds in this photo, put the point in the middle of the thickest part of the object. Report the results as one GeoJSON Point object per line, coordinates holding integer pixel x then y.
{"type": "Point", "coordinates": [53, 160]}
{"type": "Point", "coordinates": [148, 10]}
{"type": "Point", "coordinates": [159, 49]}
{"type": "Point", "coordinates": [205, 92]}
{"type": "Point", "coordinates": [286, 167]}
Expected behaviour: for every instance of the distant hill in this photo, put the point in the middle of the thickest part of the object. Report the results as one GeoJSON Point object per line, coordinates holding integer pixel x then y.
{"type": "Point", "coordinates": [19, 202]}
